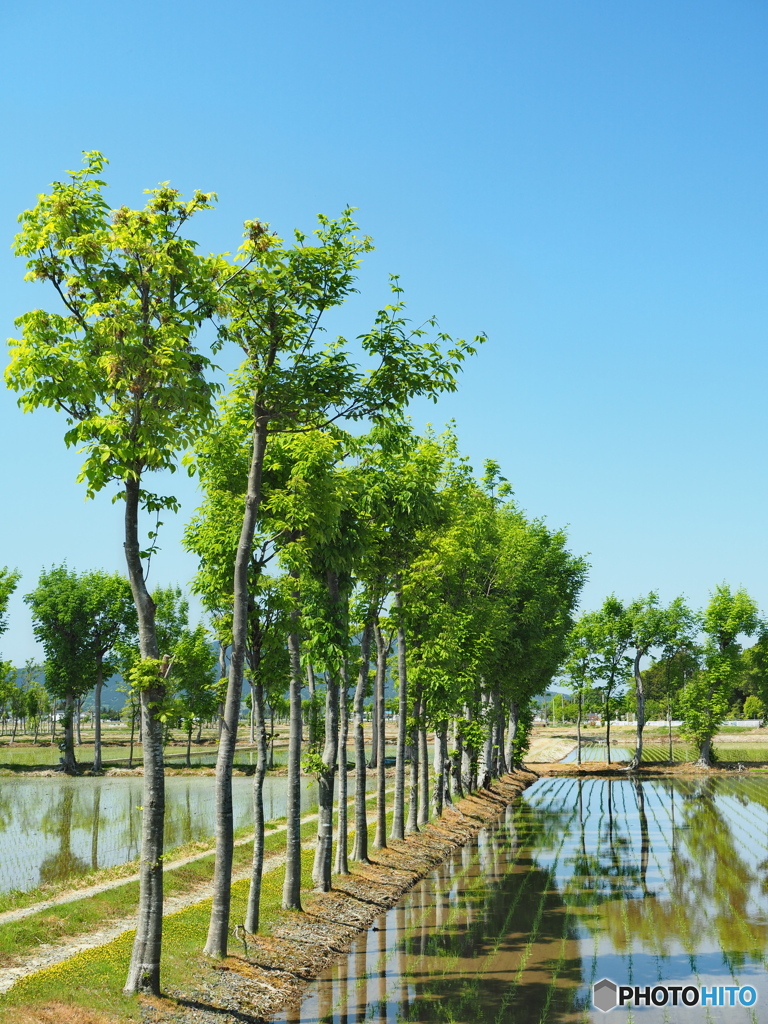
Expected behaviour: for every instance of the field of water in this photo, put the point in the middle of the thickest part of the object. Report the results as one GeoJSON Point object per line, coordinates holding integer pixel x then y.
{"type": "Point", "coordinates": [642, 883]}
{"type": "Point", "coordinates": [52, 829]}
{"type": "Point", "coordinates": [655, 752]}
{"type": "Point", "coordinates": [49, 754]}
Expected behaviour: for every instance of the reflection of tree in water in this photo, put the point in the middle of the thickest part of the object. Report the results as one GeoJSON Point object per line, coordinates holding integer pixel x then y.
{"type": "Point", "coordinates": [63, 863]}
{"type": "Point", "coordinates": [709, 887]}
{"type": "Point", "coordinates": [494, 937]}
{"type": "Point", "coordinates": [712, 884]}
{"type": "Point", "coordinates": [611, 869]}
{"type": "Point", "coordinates": [7, 807]}
{"type": "Point", "coordinates": [499, 945]}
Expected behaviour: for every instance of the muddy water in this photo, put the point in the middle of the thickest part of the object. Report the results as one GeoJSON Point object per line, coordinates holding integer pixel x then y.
{"type": "Point", "coordinates": [51, 829]}
{"type": "Point", "coordinates": [659, 882]}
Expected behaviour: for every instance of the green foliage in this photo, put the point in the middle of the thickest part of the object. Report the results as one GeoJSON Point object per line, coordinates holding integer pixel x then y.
{"type": "Point", "coordinates": [8, 580]}
{"type": "Point", "coordinates": [706, 699]}
{"type": "Point", "coordinates": [274, 307]}
{"type": "Point", "coordinates": [118, 361]}
{"type": "Point", "coordinates": [312, 763]}
{"type": "Point", "coordinates": [146, 673]}
{"type": "Point", "coordinates": [488, 597]}
{"type": "Point", "coordinates": [171, 618]}
{"type": "Point", "coordinates": [79, 618]}
{"type": "Point", "coordinates": [754, 707]}
{"type": "Point", "coordinates": [194, 676]}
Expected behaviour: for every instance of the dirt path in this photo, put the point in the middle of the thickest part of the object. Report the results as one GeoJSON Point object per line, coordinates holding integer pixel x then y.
{"type": "Point", "coordinates": [545, 749]}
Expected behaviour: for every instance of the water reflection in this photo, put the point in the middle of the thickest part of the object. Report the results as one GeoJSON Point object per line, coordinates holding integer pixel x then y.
{"type": "Point", "coordinates": [655, 752]}
{"type": "Point", "coordinates": [52, 829]}
{"type": "Point", "coordinates": [659, 881]}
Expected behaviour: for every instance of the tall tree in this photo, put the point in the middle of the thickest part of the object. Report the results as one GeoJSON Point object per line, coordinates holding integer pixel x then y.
{"type": "Point", "coordinates": [79, 618]}
{"type": "Point", "coordinates": [195, 681]}
{"type": "Point", "coordinates": [610, 636]}
{"type": "Point", "coordinates": [707, 695]}
{"type": "Point", "coordinates": [289, 381]}
{"type": "Point", "coordinates": [579, 671]}
{"type": "Point", "coordinates": [653, 626]}
{"type": "Point", "coordinates": [119, 361]}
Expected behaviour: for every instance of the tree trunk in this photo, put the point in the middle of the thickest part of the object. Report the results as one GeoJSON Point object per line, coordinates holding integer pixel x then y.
{"type": "Point", "coordinates": [438, 784]}
{"type": "Point", "coordinates": [321, 871]}
{"type": "Point", "coordinates": [312, 715]}
{"type": "Point", "coordinates": [413, 789]}
{"type": "Point", "coordinates": [608, 723]}
{"type": "Point", "coordinates": [638, 755]}
{"type": "Point", "coordinates": [511, 735]}
{"type": "Point", "coordinates": [133, 733]}
{"type": "Point", "coordinates": [218, 930]}
{"type": "Point", "coordinates": [68, 762]}
{"type": "Point", "coordinates": [77, 719]}
{"type": "Point", "coordinates": [705, 753]}
{"type": "Point", "coordinates": [292, 883]}
{"type": "Point", "coordinates": [488, 745]}
{"type": "Point", "coordinates": [499, 763]}
{"type": "Point", "coordinates": [372, 760]}
{"type": "Point", "coordinates": [456, 757]}
{"type": "Point", "coordinates": [144, 974]}
{"type": "Point", "coordinates": [360, 848]}
{"type": "Point", "coordinates": [341, 866]}
{"type": "Point", "coordinates": [97, 713]}
{"type": "Point", "coordinates": [254, 892]}
{"type": "Point", "coordinates": [144, 968]}
{"type": "Point", "coordinates": [423, 763]}
{"type": "Point", "coordinates": [398, 817]}
{"type": "Point", "coordinates": [578, 730]}
{"type": "Point", "coordinates": [382, 651]}
{"type": "Point", "coordinates": [469, 755]}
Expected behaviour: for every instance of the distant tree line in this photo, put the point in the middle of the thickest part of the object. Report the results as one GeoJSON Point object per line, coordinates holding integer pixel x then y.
{"type": "Point", "coordinates": [700, 672]}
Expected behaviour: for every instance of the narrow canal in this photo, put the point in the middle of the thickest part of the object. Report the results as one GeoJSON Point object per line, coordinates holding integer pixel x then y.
{"type": "Point", "coordinates": [659, 883]}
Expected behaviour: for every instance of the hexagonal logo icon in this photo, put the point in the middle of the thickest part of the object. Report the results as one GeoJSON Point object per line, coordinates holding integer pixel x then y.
{"type": "Point", "coordinates": [605, 995]}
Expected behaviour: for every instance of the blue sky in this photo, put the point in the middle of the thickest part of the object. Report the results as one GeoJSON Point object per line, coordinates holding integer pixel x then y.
{"type": "Point", "coordinates": [586, 182]}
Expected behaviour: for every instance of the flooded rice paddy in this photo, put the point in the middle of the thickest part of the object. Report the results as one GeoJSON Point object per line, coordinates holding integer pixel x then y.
{"type": "Point", "coordinates": [48, 754]}
{"type": "Point", "coordinates": [746, 753]}
{"type": "Point", "coordinates": [660, 882]}
{"type": "Point", "coordinates": [52, 829]}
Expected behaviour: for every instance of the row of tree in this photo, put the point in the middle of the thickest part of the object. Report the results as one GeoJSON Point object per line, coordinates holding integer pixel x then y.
{"type": "Point", "coordinates": [86, 624]}
{"type": "Point", "coordinates": [700, 666]}
{"type": "Point", "coordinates": [382, 539]}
